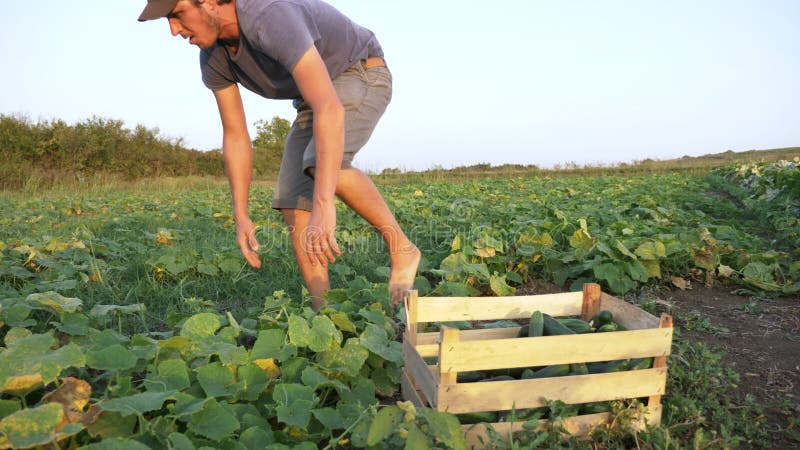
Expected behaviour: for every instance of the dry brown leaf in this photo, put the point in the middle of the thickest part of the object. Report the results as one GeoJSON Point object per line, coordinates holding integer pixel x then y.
{"type": "Point", "coordinates": [681, 283]}
{"type": "Point", "coordinates": [73, 395]}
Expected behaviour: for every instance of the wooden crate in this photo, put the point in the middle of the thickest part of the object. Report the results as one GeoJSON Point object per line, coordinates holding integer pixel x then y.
{"type": "Point", "coordinates": [497, 348]}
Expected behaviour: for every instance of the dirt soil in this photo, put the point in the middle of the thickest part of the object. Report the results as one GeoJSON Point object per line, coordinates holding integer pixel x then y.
{"type": "Point", "coordinates": [760, 339]}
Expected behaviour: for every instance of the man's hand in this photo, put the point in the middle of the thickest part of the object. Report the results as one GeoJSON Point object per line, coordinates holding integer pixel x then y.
{"type": "Point", "coordinates": [320, 235]}
{"type": "Point", "coordinates": [246, 238]}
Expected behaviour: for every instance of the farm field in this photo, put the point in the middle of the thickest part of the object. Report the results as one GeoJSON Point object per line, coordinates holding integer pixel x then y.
{"type": "Point", "coordinates": [130, 319]}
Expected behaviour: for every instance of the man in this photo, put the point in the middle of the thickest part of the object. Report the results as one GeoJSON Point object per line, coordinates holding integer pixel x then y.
{"type": "Point", "coordinates": [334, 71]}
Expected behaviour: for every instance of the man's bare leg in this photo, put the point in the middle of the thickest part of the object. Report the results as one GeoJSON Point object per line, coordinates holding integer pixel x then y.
{"type": "Point", "coordinates": [359, 193]}
{"type": "Point", "coordinates": [315, 276]}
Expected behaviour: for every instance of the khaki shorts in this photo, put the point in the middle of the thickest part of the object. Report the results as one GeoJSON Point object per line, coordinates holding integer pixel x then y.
{"type": "Point", "coordinates": [364, 94]}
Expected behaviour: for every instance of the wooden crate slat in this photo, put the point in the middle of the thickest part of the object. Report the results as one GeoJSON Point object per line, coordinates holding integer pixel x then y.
{"type": "Point", "coordinates": [449, 309]}
{"type": "Point", "coordinates": [628, 315]}
{"type": "Point", "coordinates": [410, 392]}
{"type": "Point", "coordinates": [476, 436]}
{"type": "Point", "coordinates": [420, 372]}
{"type": "Point", "coordinates": [523, 394]}
{"type": "Point", "coordinates": [548, 350]}
{"type": "Point", "coordinates": [427, 343]}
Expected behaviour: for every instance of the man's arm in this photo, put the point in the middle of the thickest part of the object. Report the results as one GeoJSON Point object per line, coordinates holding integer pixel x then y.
{"type": "Point", "coordinates": [317, 89]}
{"type": "Point", "coordinates": [238, 155]}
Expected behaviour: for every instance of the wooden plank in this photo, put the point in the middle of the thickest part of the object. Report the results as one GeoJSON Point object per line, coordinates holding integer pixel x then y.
{"type": "Point", "coordinates": [547, 350]}
{"type": "Point", "coordinates": [591, 301]}
{"type": "Point", "coordinates": [449, 338]}
{"type": "Point", "coordinates": [412, 323]}
{"type": "Point", "coordinates": [665, 322]}
{"type": "Point", "coordinates": [448, 309]}
{"type": "Point", "coordinates": [428, 343]}
{"type": "Point", "coordinates": [522, 394]}
{"type": "Point", "coordinates": [477, 437]}
{"type": "Point", "coordinates": [629, 316]}
{"type": "Point", "coordinates": [410, 392]}
{"type": "Point", "coordinates": [423, 378]}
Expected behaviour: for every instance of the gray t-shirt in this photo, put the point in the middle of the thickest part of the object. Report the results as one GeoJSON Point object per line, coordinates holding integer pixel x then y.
{"type": "Point", "coordinates": [274, 34]}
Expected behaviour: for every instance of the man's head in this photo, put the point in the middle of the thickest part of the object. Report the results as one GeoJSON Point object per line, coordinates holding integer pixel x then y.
{"type": "Point", "coordinates": [196, 20]}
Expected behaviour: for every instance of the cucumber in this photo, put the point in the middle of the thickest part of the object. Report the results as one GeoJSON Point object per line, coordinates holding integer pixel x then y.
{"type": "Point", "coordinates": [640, 363]}
{"type": "Point", "coordinates": [477, 417]}
{"type": "Point", "coordinates": [608, 367]}
{"type": "Point", "coordinates": [536, 327]}
{"type": "Point", "coordinates": [576, 325]}
{"type": "Point", "coordinates": [523, 332]}
{"type": "Point", "coordinates": [470, 377]}
{"type": "Point", "coordinates": [578, 369]}
{"type": "Point", "coordinates": [607, 328]}
{"type": "Point", "coordinates": [558, 370]}
{"type": "Point", "coordinates": [552, 327]}
{"type": "Point", "coordinates": [527, 374]}
{"type": "Point", "coordinates": [500, 378]}
{"type": "Point", "coordinates": [603, 317]}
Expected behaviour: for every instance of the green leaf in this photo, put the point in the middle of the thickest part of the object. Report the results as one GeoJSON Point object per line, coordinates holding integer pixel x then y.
{"type": "Point", "coordinates": [217, 380]}
{"type": "Point", "coordinates": [500, 287]}
{"type": "Point", "coordinates": [173, 375]}
{"type": "Point", "coordinates": [376, 340]}
{"type": "Point", "coordinates": [342, 321]}
{"type": "Point", "coordinates": [29, 361]}
{"type": "Point", "coordinates": [324, 335]}
{"type": "Point", "coordinates": [73, 324]}
{"type": "Point", "coordinates": [213, 421]}
{"type": "Point", "coordinates": [297, 414]}
{"type": "Point", "coordinates": [636, 270]}
{"type": "Point", "coordinates": [35, 426]}
{"type": "Point", "coordinates": [201, 325]}
{"type": "Point", "coordinates": [137, 403]}
{"type": "Point", "coordinates": [112, 424]}
{"type": "Point", "coordinates": [116, 444]}
{"type": "Point", "coordinates": [186, 405]}
{"type": "Point", "coordinates": [115, 357]}
{"type": "Point", "coordinates": [416, 439]}
{"type": "Point", "coordinates": [15, 334]}
{"type": "Point", "coordinates": [361, 393]}
{"type": "Point", "coordinates": [54, 302]}
{"type": "Point", "coordinates": [445, 427]}
{"type": "Point", "coordinates": [179, 441]}
{"type": "Point", "coordinates": [615, 277]}
{"type": "Point", "coordinates": [623, 249]}
{"type": "Point", "coordinates": [8, 407]}
{"type": "Point", "coordinates": [228, 353]}
{"type": "Point", "coordinates": [384, 424]}
{"type": "Point", "coordinates": [299, 331]}
{"type": "Point", "coordinates": [255, 438]}
{"type": "Point", "coordinates": [287, 393]}
{"type": "Point", "coordinates": [582, 242]}
{"type": "Point", "coordinates": [348, 359]}
{"type": "Point", "coordinates": [268, 345]}
{"type": "Point", "coordinates": [207, 269]}
{"type": "Point", "coordinates": [100, 311]}
{"type": "Point", "coordinates": [330, 418]}
{"type": "Point", "coordinates": [651, 250]}
{"type": "Point", "coordinates": [253, 381]}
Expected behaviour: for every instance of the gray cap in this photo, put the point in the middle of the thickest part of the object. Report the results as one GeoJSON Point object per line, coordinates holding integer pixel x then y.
{"type": "Point", "coordinates": [157, 9]}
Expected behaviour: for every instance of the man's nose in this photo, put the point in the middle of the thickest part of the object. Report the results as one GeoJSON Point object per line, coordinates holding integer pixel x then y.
{"type": "Point", "coordinates": [174, 26]}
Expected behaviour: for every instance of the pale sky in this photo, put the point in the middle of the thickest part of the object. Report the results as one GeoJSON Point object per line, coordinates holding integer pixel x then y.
{"type": "Point", "coordinates": [529, 82]}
